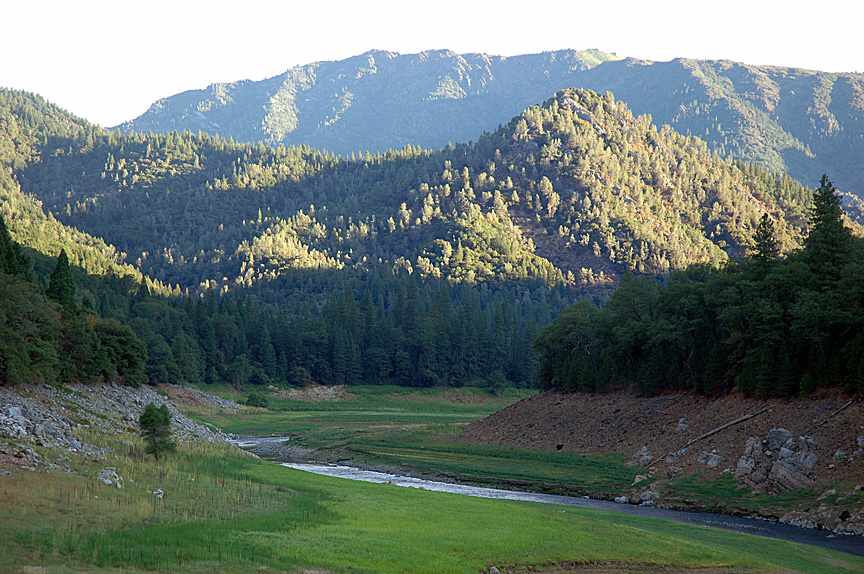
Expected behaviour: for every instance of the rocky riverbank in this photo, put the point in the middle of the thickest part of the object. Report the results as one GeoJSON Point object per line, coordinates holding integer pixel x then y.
{"type": "Point", "coordinates": [800, 461]}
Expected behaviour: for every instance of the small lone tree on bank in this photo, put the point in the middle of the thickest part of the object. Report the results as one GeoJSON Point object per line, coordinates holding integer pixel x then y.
{"type": "Point", "coordinates": [155, 423]}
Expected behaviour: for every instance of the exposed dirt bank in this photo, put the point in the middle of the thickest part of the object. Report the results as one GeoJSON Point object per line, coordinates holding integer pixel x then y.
{"type": "Point", "coordinates": [791, 446]}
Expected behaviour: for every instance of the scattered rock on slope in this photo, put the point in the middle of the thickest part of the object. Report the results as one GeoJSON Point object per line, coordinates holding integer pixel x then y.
{"type": "Point", "coordinates": [48, 416]}
{"type": "Point", "coordinates": [109, 477]}
{"type": "Point", "coordinates": [790, 445]}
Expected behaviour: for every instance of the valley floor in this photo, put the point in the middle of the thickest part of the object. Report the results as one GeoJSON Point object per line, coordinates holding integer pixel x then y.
{"type": "Point", "coordinates": [595, 445]}
{"type": "Point", "coordinates": [216, 508]}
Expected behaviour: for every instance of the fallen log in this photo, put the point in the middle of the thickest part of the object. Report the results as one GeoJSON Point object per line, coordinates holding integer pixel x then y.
{"type": "Point", "coordinates": [832, 415]}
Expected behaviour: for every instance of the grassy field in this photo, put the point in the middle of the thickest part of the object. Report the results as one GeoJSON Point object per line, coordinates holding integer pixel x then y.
{"type": "Point", "coordinates": [227, 512]}
{"type": "Point", "coordinates": [419, 432]}
{"type": "Point", "coordinates": [373, 407]}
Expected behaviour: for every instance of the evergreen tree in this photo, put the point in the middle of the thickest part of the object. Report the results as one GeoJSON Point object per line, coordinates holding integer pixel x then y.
{"type": "Point", "coordinates": [766, 248]}
{"type": "Point", "coordinates": [829, 240]}
{"type": "Point", "coordinates": [9, 262]}
{"type": "Point", "coordinates": [155, 423]}
{"type": "Point", "coordinates": [61, 286]}
{"type": "Point", "coordinates": [161, 365]}
{"type": "Point", "coordinates": [777, 332]}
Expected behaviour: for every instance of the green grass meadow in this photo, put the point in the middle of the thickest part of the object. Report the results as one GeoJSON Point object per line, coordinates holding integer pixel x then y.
{"type": "Point", "coordinates": [420, 432]}
{"type": "Point", "coordinates": [227, 512]}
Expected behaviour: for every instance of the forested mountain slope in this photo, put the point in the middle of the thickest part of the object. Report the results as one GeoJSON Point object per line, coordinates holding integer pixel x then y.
{"type": "Point", "coordinates": [412, 266]}
{"type": "Point", "coordinates": [324, 323]}
{"type": "Point", "coordinates": [574, 191]}
{"type": "Point", "coordinates": [28, 125]}
{"type": "Point", "coordinates": [804, 121]}
{"type": "Point", "coordinates": [374, 101]}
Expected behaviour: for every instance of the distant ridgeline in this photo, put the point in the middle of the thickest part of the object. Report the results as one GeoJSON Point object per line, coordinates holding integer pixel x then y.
{"type": "Point", "coordinates": [801, 121]}
{"type": "Point", "coordinates": [766, 325]}
{"type": "Point", "coordinates": [251, 263]}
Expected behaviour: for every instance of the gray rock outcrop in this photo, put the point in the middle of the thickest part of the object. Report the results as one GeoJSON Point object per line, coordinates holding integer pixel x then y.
{"type": "Point", "coordinates": [777, 462]}
{"type": "Point", "coordinates": [51, 417]}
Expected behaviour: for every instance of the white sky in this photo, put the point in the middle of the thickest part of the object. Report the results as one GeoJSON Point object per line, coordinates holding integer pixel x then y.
{"type": "Point", "coordinates": [109, 60]}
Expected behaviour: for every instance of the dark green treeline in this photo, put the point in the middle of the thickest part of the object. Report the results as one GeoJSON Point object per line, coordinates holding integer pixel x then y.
{"type": "Point", "coordinates": [332, 327]}
{"type": "Point", "coordinates": [764, 325]}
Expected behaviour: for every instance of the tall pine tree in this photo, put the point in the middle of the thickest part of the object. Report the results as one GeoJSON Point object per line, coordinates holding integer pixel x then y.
{"type": "Point", "coordinates": [11, 260]}
{"type": "Point", "coordinates": [829, 240]}
{"type": "Point", "coordinates": [766, 248]}
{"type": "Point", "coordinates": [61, 286]}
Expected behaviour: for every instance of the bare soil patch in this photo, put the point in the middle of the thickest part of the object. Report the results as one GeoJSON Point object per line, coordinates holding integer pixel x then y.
{"type": "Point", "coordinates": [313, 393]}
{"type": "Point", "coordinates": [623, 423]}
{"type": "Point", "coordinates": [457, 396]}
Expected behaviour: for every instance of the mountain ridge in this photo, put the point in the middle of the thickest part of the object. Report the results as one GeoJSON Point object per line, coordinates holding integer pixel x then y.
{"type": "Point", "coordinates": [577, 190]}
{"type": "Point", "coordinates": [806, 122]}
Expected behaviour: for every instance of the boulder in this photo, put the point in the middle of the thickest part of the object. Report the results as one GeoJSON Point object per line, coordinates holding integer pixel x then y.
{"type": "Point", "coordinates": [778, 437]}
{"type": "Point", "coordinates": [621, 499]}
{"type": "Point", "coordinates": [648, 497]}
{"type": "Point", "coordinates": [754, 466]}
{"type": "Point", "coordinates": [789, 477]}
{"type": "Point", "coordinates": [12, 422]}
{"type": "Point", "coordinates": [673, 458]}
{"type": "Point", "coordinates": [769, 464]}
{"type": "Point", "coordinates": [800, 453]}
{"type": "Point", "coordinates": [683, 425]}
{"type": "Point", "coordinates": [840, 455]}
{"type": "Point", "coordinates": [643, 456]}
{"type": "Point", "coordinates": [711, 459]}
{"type": "Point", "coordinates": [795, 463]}
{"type": "Point", "coordinates": [109, 477]}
